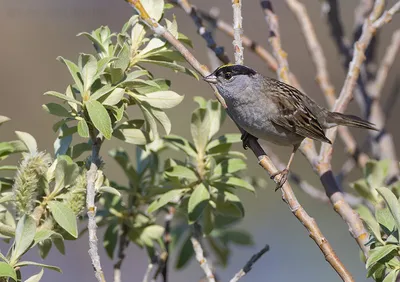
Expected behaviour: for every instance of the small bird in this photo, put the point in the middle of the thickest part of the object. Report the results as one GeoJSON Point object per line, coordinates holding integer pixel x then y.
{"type": "Point", "coordinates": [274, 111]}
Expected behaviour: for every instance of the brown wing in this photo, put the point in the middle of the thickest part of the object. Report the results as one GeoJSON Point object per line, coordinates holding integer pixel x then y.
{"type": "Point", "coordinates": [294, 115]}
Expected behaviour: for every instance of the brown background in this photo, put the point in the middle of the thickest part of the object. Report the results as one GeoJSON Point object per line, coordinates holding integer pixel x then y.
{"type": "Point", "coordinates": [34, 33]}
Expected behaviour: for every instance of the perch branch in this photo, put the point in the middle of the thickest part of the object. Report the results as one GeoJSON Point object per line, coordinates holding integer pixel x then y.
{"type": "Point", "coordinates": [308, 149]}
{"type": "Point", "coordinates": [264, 160]}
{"type": "Point", "coordinates": [249, 265]}
{"type": "Point", "coordinates": [91, 207]}
{"type": "Point", "coordinates": [319, 59]}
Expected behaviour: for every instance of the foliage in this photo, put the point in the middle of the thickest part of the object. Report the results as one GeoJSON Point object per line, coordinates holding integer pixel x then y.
{"type": "Point", "coordinates": [382, 219]}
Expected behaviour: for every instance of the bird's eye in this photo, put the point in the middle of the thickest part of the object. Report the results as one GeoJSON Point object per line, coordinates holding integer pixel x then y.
{"type": "Point", "coordinates": [227, 75]}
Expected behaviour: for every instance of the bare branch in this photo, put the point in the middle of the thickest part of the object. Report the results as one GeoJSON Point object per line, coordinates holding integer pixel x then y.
{"type": "Point", "coordinates": [122, 245]}
{"type": "Point", "coordinates": [264, 161]}
{"type": "Point", "coordinates": [198, 250]}
{"type": "Point", "coordinates": [238, 30]}
{"type": "Point", "coordinates": [91, 208]}
{"type": "Point", "coordinates": [248, 266]}
{"type": "Point", "coordinates": [346, 93]}
{"type": "Point", "coordinates": [206, 34]}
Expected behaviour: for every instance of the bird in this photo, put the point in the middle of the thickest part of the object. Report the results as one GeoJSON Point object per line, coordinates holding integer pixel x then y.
{"type": "Point", "coordinates": [274, 111]}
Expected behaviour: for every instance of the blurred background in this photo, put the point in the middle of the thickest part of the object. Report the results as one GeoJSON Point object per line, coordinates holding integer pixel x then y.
{"type": "Point", "coordinates": [34, 33]}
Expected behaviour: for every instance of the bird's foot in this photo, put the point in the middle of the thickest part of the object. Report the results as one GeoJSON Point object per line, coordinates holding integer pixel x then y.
{"type": "Point", "coordinates": [284, 176]}
{"type": "Point", "coordinates": [246, 139]}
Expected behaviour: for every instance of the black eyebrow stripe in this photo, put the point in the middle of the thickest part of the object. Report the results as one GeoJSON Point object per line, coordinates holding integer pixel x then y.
{"type": "Point", "coordinates": [235, 70]}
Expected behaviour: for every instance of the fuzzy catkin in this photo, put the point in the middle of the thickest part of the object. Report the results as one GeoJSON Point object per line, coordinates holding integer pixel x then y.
{"type": "Point", "coordinates": [76, 197]}
{"type": "Point", "coordinates": [26, 182]}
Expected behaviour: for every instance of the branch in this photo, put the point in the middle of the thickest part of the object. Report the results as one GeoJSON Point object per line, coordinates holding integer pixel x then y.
{"type": "Point", "coordinates": [237, 27]}
{"type": "Point", "coordinates": [206, 34]}
{"type": "Point", "coordinates": [153, 261]}
{"type": "Point", "coordinates": [345, 96]}
{"type": "Point", "coordinates": [275, 41]}
{"type": "Point", "coordinates": [248, 266]}
{"type": "Point", "coordinates": [308, 149]}
{"type": "Point", "coordinates": [319, 59]}
{"type": "Point", "coordinates": [91, 207]}
{"type": "Point", "coordinates": [167, 240]}
{"type": "Point", "coordinates": [198, 250]}
{"type": "Point", "coordinates": [264, 160]}
{"type": "Point", "coordinates": [123, 244]}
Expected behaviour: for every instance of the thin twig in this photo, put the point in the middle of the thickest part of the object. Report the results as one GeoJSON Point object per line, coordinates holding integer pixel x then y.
{"type": "Point", "coordinates": [123, 244]}
{"type": "Point", "coordinates": [264, 160]}
{"type": "Point", "coordinates": [91, 207]}
{"type": "Point", "coordinates": [199, 253]}
{"type": "Point", "coordinates": [150, 267]}
{"type": "Point", "coordinates": [206, 34]}
{"type": "Point", "coordinates": [238, 31]}
{"type": "Point", "coordinates": [248, 266]}
{"type": "Point", "coordinates": [167, 241]}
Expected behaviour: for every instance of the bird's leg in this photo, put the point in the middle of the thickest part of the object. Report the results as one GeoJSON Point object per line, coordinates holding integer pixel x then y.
{"type": "Point", "coordinates": [284, 173]}
{"type": "Point", "coordinates": [246, 138]}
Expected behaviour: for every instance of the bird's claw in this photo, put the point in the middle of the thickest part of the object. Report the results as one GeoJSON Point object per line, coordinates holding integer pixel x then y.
{"type": "Point", "coordinates": [246, 139]}
{"type": "Point", "coordinates": [284, 176]}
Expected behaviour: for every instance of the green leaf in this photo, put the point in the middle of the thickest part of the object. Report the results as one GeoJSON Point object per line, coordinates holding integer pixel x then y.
{"type": "Point", "coordinates": [88, 67]}
{"type": "Point", "coordinates": [42, 235]}
{"type": "Point", "coordinates": [236, 182]}
{"type": "Point", "coordinates": [362, 187]}
{"type": "Point", "coordinates": [208, 220]}
{"type": "Point", "coordinates": [392, 203]}
{"type": "Point", "coordinates": [63, 97]}
{"type": "Point", "coordinates": [228, 167]}
{"type": "Point", "coordinates": [154, 8]}
{"type": "Point", "coordinates": [172, 65]}
{"type": "Point", "coordinates": [165, 199]}
{"type": "Point", "coordinates": [74, 71]}
{"type": "Point", "coordinates": [83, 129]}
{"type": "Point", "coordinates": [3, 119]}
{"type": "Point", "coordinates": [102, 91]}
{"type": "Point", "coordinates": [184, 39]}
{"type": "Point", "coordinates": [228, 204]}
{"type": "Point", "coordinates": [66, 172]}
{"type": "Point", "coordinates": [51, 267]}
{"type": "Point", "coordinates": [110, 239]}
{"type": "Point", "coordinates": [185, 254]}
{"type": "Point", "coordinates": [153, 44]}
{"type": "Point", "coordinates": [181, 144]}
{"type": "Point", "coordinates": [150, 121]}
{"type": "Point", "coordinates": [100, 118]}
{"type": "Point", "coordinates": [24, 235]}
{"type": "Point", "coordinates": [58, 241]}
{"type": "Point", "coordinates": [7, 270]}
{"type": "Point", "coordinates": [391, 276]}
{"type": "Point", "coordinates": [151, 233]}
{"type": "Point", "coordinates": [181, 172]}
{"type": "Point", "coordinates": [64, 216]}
{"type": "Point", "coordinates": [200, 129]}
{"type": "Point", "coordinates": [123, 59]}
{"type": "Point", "coordinates": [224, 139]}
{"type": "Point", "coordinates": [370, 221]}
{"type": "Point", "coordinates": [36, 277]}
{"type": "Point", "coordinates": [239, 237]}
{"type": "Point", "coordinates": [161, 99]}
{"type": "Point", "coordinates": [132, 136]}
{"type": "Point", "coordinates": [385, 218]}
{"type": "Point", "coordinates": [379, 253]}
{"type": "Point", "coordinates": [56, 110]}
{"type": "Point", "coordinates": [217, 115]}
{"type": "Point", "coordinates": [197, 202]}
{"type": "Point", "coordinates": [114, 97]}
{"type": "Point", "coordinates": [162, 118]}
{"type": "Point", "coordinates": [28, 140]}
{"type": "Point", "coordinates": [376, 172]}
{"type": "Point", "coordinates": [111, 190]}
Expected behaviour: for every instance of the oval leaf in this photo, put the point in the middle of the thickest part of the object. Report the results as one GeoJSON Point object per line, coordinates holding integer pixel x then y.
{"type": "Point", "coordinates": [165, 199]}
{"type": "Point", "coordinates": [392, 203]}
{"type": "Point", "coordinates": [24, 235]}
{"type": "Point", "coordinates": [379, 253]}
{"type": "Point", "coordinates": [114, 97]}
{"type": "Point", "coordinates": [370, 221]}
{"type": "Point", "coordinates": [7, 270]}
{"type": "Point", "coordinates": [228, 166]}
{"type": "Point", "coordinates": [100, 118]}
{"type": "Point", "coordinates": [83, 129]}
{"type": "Point", "coordinates": [181, 172]}
{"type": "Point", "coordinates": [36, 277]}
{"type": "Point", "coordinates": [28, 140]}
{"type": "Point", "coordinates": [56, 110]}
{"type": "Point", "coordinates": [197, 202]}
{"type": "Point", "coordinates": [65, 217]}
{"type": "Point", "coordinates": [161, 99]}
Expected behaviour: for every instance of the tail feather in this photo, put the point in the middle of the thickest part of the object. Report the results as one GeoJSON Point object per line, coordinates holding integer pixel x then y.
{"type": "Point", "coordinates": [350, 120]}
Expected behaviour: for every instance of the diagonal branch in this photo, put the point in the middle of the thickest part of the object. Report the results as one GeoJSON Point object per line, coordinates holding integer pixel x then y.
{"type": "Point", "coordinates": [264, 161]}
{"type": "Point", "coordinates": [199, 253]}
{"type": "Point", "coordinates": [238, 30]}
{"type": "Point", "coordinates": [331, 187]}
{"type": "Point", "coordinates": [248, 266]}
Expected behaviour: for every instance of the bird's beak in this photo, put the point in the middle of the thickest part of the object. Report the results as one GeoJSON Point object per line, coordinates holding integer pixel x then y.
{"type": "Point", "coordinates": [211, 79]}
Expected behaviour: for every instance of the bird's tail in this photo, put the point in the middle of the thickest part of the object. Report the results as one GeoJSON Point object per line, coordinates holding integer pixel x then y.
{"type": "Point", "coordinates": [349, 120]}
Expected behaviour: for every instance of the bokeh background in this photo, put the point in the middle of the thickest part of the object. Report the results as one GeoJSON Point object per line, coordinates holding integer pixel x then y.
{"type": "Point", "coordinates": [34, 33]}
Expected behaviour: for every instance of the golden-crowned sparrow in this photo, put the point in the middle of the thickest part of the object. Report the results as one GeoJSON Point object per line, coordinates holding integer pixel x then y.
{"type": "Point", "coordinates": [275, 111]}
